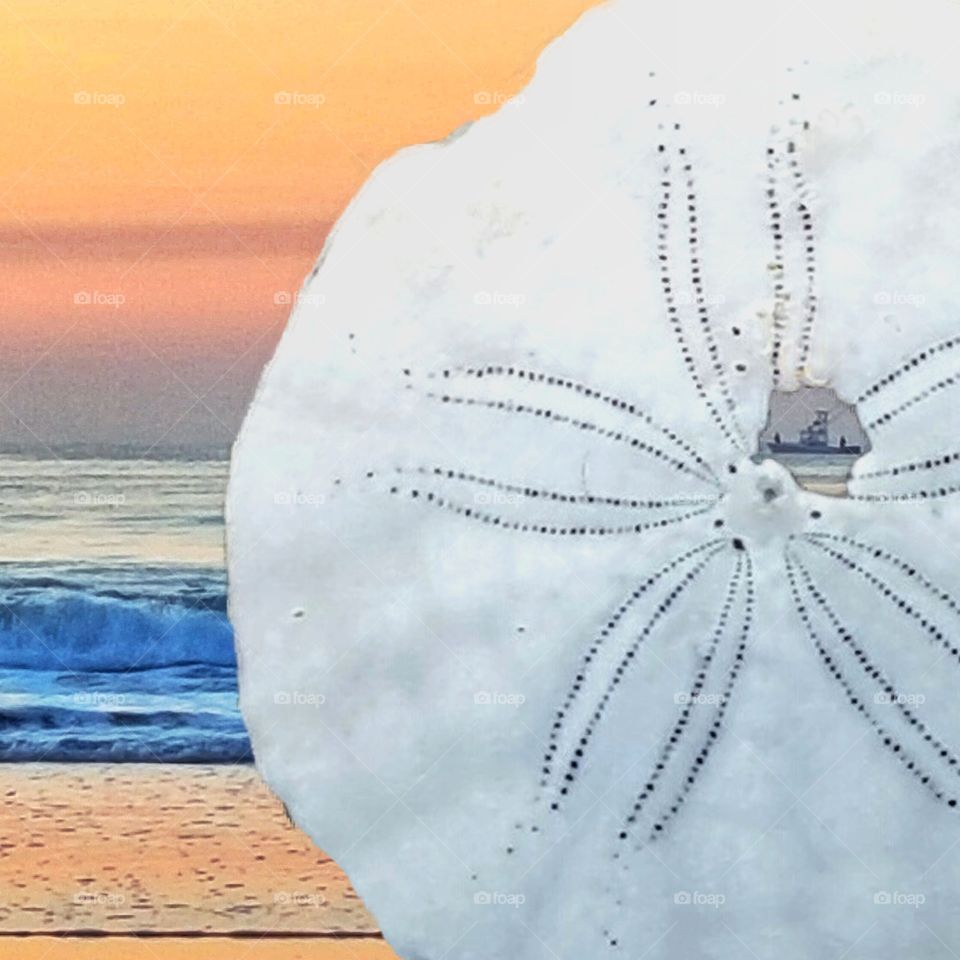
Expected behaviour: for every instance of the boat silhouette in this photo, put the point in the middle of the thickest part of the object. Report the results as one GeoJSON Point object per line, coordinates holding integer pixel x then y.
{"type": "Point", "coordinates": [815, 439]}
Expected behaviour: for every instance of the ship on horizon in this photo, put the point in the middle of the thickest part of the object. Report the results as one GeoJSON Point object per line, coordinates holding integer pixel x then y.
{"type": "Point", "coordinates": [815, 439]}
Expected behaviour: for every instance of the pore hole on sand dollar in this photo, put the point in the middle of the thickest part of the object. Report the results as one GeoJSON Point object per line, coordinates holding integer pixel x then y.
{"type": "Point", "coordinates": [816, 436]}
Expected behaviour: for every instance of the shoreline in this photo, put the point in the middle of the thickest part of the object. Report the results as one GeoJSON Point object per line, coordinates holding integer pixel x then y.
{"type": "Point", "coordinates": [212, 948]}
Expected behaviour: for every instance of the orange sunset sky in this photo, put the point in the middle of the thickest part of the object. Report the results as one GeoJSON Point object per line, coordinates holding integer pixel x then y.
{"type": "Point", "coordinates": [170, 169]}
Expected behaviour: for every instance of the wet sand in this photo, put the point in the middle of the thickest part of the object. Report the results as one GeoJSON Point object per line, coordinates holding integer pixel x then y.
{"type": "Point", "coordinates": [829, 487]}
{"type": "Point", "coordinates": [210, 948]}
{"type": "Point", "coordinates": [194, 862]}
{"type": "Point", "coordinates": [213, 948]}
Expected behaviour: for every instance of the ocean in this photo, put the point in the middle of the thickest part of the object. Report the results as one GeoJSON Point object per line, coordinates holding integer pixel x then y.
{"type": "Point", "coordinates": [816, 467]}
{"type": "Point", "coordinates": [114, 639]}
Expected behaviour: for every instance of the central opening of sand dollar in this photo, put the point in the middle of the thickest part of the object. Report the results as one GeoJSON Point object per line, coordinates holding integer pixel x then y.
{"type": "Point", "coordinates": [816, 436]}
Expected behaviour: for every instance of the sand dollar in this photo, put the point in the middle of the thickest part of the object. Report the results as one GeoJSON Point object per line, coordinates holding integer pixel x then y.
{"type": "Point", "coordinates": [536, 637]}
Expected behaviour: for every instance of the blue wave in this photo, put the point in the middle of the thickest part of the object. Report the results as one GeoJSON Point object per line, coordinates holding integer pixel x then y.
{"type": "Point", "coordinates": [117, 664]}
{"type": "Point", "coordinates": [119, 734]}
{"type": "Point", "coordinates": [48, 623]}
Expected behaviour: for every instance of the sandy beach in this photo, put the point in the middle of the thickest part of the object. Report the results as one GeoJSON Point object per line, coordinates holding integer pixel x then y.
{"type": "Point", "coordinates": [178, 862]}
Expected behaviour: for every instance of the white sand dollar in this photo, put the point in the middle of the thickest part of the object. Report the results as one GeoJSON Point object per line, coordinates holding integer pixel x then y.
{"type": "Point", "coordinates": [529, 640]}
